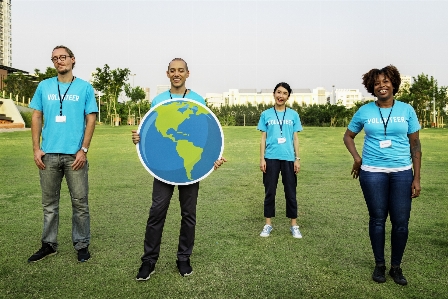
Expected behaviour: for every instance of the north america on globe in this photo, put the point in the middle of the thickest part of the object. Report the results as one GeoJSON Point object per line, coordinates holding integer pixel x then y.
{"type": "Point", "coordinates": [169, 128]}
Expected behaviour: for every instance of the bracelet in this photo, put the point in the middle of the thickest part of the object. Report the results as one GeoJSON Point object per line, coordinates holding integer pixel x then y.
{"type": "Point", "coordinates": [297, 158]}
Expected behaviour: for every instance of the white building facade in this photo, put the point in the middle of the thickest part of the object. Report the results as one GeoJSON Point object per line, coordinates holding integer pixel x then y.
{"type": "Point", "coordinates": [348, 97]}
{"type": "Point", "coordinates": [317, 96]}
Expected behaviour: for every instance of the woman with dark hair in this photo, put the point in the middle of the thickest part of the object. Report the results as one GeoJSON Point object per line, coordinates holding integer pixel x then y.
{"type": "Point", "coordinates": [279, 152]}
{"type": "Point", "coordinates": [389, 170]}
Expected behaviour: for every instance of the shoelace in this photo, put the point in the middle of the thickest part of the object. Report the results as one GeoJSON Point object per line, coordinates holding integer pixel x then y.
{"type": "Point", "coordinates": [266, 229]}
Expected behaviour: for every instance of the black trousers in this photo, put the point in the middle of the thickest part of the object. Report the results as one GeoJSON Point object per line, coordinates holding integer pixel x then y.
{"type": "Point", "coordinates": [161, 197]}
{"type": "Point", "coordinates": [289, 180]}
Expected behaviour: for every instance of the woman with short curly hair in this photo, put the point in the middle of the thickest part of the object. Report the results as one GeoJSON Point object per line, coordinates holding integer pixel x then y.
{"type": "Point", "coordinates": [389, 170]}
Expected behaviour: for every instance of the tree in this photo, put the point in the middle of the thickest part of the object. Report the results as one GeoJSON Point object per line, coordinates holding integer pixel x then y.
{"type": "Point", "coordinates": [20, 85]}
{"type": "Point", "coordinates": [421, 96]}
{"type": "Point", "coordinates": [136, 95]}
{"type": "Point", "coordinates": [50, 72]}
{"type": "Point", "coordinates": [110, 83]}
{"type": "Point", "coordinates": [23, 85]}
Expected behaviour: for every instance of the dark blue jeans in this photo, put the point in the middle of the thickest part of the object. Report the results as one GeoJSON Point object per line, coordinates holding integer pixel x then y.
{"type": "Point", "coordinates": [388, 194]}
{"type": "Point", "coordinates": [289, 180]}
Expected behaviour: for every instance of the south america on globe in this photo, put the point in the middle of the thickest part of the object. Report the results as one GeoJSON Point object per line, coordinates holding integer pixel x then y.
{"type": "Point", "coordinates": [180, 139]}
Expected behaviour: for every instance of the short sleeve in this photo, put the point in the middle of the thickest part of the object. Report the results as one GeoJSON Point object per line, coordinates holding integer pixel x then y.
{"type": "Point", "coordinates": [262, 123]}
{"type": "Point", "coordinates": [356, 125]}
{"type": "Point", "coordinates": [91, 106]}
{"type": "Point", "coordinates": [414, 124]}
{"type": "Point", "coordinates": [36, 102]}
{"type": "Point", "coordinates": [297, 123]}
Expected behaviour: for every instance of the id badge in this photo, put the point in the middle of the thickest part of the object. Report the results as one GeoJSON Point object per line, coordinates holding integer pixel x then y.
{"type": "Point", "coordinates": [385, 143]}
{"type": "Point", "coordinates": [281, 140]}
{"type": "Point", "coordinates": [60, 118]}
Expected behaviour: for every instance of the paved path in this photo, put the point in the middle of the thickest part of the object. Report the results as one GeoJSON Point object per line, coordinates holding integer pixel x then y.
{"type": "Point", "coordinates": [14, 130]}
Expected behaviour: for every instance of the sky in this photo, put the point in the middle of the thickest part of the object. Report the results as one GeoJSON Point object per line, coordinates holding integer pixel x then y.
{"type": "Point", "coordinates": [237, 44]}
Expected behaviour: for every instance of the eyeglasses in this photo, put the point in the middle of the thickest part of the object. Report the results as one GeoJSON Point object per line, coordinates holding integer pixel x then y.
{"type": "Point", "coordinates": [61, 58]}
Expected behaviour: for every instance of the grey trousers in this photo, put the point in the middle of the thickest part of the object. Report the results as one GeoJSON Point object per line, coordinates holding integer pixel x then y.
{"type": "Point", "coordinates": [161, 197]}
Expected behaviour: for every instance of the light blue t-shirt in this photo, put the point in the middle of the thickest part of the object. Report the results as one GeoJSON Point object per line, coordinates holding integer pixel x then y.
{"type": "Point", "coordinates": [270, 123]}
{"type": "Point", "coordinates": [64, 137]}
{"type": "Point", "coordinates": [166, 96]}
{"type": "Point", "coordinates": [402, 121]}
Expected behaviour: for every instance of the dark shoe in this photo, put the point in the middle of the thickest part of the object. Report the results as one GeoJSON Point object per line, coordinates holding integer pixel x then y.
{"type": "Point", "coordinates": [145, 271]}
{"type": "Point", "coordinates": [379, 274]}
{"type": "Point", "coordinates": [43, 252]}
{"type": "Point", "coordinates": [184, 267]}
{"type": "Point", "coordinates": [397, 274]}
{"type": "Point", "coordinates": [83, 254]}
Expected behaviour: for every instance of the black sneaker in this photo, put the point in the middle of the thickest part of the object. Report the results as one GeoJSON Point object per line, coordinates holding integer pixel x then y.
{"type": "Point", "coordinates": [379, 274]}
{"type": "Point", "coordinates": [145, 271]}
{"type": "Point", "coordinates": [184, 267]}
{"type": "Point", "coordinates": [83, 254]}
{"type": "Point", "coordinates": [397, 275]}
{"type": "Point", "coordinates": [43, 252]}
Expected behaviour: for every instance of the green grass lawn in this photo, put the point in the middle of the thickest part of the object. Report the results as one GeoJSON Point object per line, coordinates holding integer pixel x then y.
{"type": "Point", "coordinates": [230, 260]}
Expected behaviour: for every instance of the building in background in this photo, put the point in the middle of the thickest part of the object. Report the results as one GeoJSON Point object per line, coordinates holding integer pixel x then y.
{"type": "Point", "coordinates": [348, 97]}
{"type": "Point", "coordinates": [304, 96]}
{"type": "Point", "coordinates": [5, 33]}
{"type": "Point", "coordinates": [406, 83]}
{"type": "Point", "coordinates": [162, 88]}
{"type": "Point", "coordinates": [147, 97]}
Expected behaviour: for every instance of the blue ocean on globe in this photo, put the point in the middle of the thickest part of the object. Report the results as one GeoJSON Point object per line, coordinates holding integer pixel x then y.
{"type": "Point", "coordinates": [180, 140]}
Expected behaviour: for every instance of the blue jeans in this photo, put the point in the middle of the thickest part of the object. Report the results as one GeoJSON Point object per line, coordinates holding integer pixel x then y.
{"type": "Point", "coordinates": [388, 193]}
{"type": "Point", "coordinates": [56, 167]}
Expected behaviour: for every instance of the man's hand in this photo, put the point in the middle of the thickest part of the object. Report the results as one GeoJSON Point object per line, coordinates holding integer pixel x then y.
{"type": "Point", "coordinates": [38, 154]}
{"type": "Point", "coordinates": [219, 162]}
{"type": "Point", "coordinates": [136, 137]}
{"type": "Point", "coordinates": [80, 160]}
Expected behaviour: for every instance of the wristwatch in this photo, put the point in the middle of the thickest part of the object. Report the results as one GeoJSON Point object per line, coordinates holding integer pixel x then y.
{"type": "Point", "coordinates": [297, 158]}
{"type": "Point", "coordinates": [84, 149]}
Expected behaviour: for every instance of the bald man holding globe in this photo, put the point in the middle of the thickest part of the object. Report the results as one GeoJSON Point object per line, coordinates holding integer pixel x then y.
{"type": "Point", "coordinates": [163, 190]}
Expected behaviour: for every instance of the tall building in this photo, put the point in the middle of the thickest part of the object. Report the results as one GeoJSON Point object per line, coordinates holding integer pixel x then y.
{"type": "Point", "coordinates": [5, 33]}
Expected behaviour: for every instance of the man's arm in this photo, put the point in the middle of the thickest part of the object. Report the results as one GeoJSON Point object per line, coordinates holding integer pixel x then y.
{"type": "Point", "coordinates": [36, 131]}
{"type": "Point", "coordinates": [88, 133]}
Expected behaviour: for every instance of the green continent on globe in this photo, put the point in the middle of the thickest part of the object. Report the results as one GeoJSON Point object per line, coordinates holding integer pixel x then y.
{"type": "Point", "coordinates": [170, 117]}
{"type": "Point", "coordinates": [190, 153]}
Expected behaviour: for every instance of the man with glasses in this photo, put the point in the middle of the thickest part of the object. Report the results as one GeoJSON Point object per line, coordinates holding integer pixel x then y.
{"type": "Point", "coordinates": [69, 107]}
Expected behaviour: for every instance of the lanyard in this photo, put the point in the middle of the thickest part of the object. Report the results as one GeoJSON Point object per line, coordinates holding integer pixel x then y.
{"type": "Point", "coordinates": [280, 123]}
{"type": "Point", "coordinates": [61, 99]}
{"type": "Point", "coordinates": [182, 96]}
{"type": "Point", "coordinates": [385, 124]}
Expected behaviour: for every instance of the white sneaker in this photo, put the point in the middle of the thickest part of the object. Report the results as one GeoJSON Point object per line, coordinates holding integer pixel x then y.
{"type": "Point", "coordinates": [296, 232]}
{"type": "Point", "coordinates": [266, 231]}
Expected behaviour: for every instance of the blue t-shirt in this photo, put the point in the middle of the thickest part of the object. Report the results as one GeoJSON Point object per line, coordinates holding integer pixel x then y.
{"type": "Point", "coordinates": [166, 96]}
{"type": "Point", "coordinates": [402, 121]}
{"type": "Point", "coordinates": [270, 123]}
{"type": "Point", "coordinates": [64, 137]}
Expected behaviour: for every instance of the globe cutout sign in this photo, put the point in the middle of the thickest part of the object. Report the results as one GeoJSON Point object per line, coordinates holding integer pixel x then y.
{"type": "Point", "coordinates": [180, 139]}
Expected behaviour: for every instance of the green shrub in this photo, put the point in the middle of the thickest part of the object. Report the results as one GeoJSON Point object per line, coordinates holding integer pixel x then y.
{"type": "Point", "coordinates": [27, 118]}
